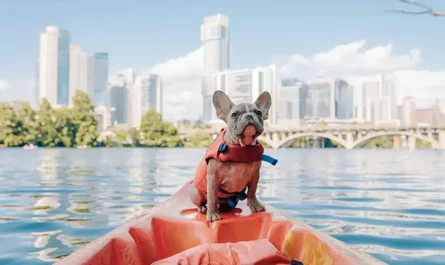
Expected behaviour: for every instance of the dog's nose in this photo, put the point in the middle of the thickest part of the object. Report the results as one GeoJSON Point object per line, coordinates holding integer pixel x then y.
{"type": "Point", "coordinates": [249, 117]}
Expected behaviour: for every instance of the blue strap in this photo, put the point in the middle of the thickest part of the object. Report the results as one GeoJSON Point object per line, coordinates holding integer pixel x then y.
{"type": "Point", "coordinates": [232, 201]}
{"type": "Point", "coordinates": [223, 148]}
{"type": "Point", "coordinates": [269, 159]}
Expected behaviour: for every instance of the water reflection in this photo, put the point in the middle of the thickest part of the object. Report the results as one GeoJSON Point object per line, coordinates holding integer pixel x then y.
{"type": "Point", "coordinates": [387, 202]}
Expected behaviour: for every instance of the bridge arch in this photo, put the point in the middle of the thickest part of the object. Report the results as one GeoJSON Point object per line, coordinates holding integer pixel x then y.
{"type": "Point", "coordinates": [360, 142]}
{"type": "Point", "coordinates": [313, 134]}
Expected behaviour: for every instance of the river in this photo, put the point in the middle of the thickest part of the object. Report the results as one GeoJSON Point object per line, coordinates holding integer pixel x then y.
{"type": "Point", "coordinates": [389, 203]}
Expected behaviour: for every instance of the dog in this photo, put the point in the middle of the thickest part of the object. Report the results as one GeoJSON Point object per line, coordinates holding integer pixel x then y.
{"type": "Point", "coordinates": [245, 123]}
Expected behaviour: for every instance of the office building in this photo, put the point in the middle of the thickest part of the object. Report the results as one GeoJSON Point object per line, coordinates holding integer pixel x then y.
{"type": "Point", "coordinates": [378, 100]}
{"type": "Point", "coordinates": [104, 117]}
{"type": "Point", "coordinates": [408, 111]}
{"type": "Point", "coordinates": [100, 79]}
{"type": "Point", "coordinates": [245, 85]}
{"type": "Point", "coordinates": [118, 99]}
{"type": "Point", "coordinates": [146, 95]}
{"type": "Point", "coordinates": [329, 99]}
{"type": "Point", "coordinates": [215, 40]}
{"type": "Point", "coordinates": [53, 66]}
{"type": "Point", "coordinates": [292, 99]}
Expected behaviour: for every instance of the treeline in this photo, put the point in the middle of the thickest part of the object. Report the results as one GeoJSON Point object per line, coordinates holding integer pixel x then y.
{"type": "Point", "coordinates": [77, 127]}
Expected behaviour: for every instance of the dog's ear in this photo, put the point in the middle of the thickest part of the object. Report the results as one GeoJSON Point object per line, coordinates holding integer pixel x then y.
{"type": "Point", "coordinates": [222, 104]}
{"type": "Point", "coordinates": [263, 102]}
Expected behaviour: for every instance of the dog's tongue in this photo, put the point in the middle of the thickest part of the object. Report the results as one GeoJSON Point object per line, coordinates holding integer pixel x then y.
{"type": "Point", "coordinates": [249, 136]}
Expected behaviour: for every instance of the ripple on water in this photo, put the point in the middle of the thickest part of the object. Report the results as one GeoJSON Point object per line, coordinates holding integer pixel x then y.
{"type": "Point", "coordinates": [383, 202]}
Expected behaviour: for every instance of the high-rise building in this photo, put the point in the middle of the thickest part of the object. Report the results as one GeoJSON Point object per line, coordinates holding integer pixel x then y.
{"type": "Point", "coordinates": [408, 111]}
{"type": "Point", "coordinates": [215, 40]}
{"type": "Point", "coordinates": [54, 66]}
{"type": "Point", "coordinates": [292, 99]}
{"type": "Point", "coordinates": [100, 83]}
{"type": "Point", "coordinates": [75, 71]}
{"type": "Point", "coordinates": [89, 73]}
{"type": "Point", "coordinates": [104, 116]}
{"type": "Point", "coordinates": [379, 102]}
{"type": "Point", "coordinates": [245, 85]}
{"type": "Point", "coordinates": [146, 95]}
{"type": "Point", "coordinates": [344, 100]}
{"type": "Point", "coordinates": [329, 98]}
{"type": "Point", "coordinates": [118, 99]}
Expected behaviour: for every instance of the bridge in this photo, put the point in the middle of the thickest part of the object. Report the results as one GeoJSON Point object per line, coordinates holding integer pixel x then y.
{"type": "Point", "coordinates": [349, 136]}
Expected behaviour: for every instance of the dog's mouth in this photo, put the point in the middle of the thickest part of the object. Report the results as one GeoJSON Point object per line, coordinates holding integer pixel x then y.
{"type": "Point", "coordinates": [249, 135]}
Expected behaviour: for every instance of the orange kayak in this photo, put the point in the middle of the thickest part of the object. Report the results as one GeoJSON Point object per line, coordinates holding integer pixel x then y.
{"type": "Point", "coordinates": [174, 233]}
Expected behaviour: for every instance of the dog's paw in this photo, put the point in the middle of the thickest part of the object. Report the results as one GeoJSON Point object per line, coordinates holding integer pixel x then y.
{"type": "Point", "coordinates": [213, 217]}
{"type": "Point", "coordinates": [202, 209]}
{"type": "Point", "coordinates": [256, 206]}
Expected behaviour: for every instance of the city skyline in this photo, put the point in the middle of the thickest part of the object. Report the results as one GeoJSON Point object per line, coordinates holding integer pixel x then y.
{"type": "Point", "coordinates": [181, 75]}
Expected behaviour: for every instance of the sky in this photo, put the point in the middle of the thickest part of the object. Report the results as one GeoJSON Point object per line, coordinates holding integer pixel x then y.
{"type": "Point", "coordinates": [353, 39]}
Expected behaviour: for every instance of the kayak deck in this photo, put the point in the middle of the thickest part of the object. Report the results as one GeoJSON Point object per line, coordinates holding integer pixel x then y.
{"type": "Point", "coordinates": [175, 228]}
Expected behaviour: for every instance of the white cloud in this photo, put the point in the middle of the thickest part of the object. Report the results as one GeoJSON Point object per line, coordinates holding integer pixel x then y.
{"type": "Point", "coordinates": [181, 78]}
{"type": "Point", "coordinates": [3, 85]}
{"type": "Point", "coordinates": [354, 63]}
{"type": "Point", "coordinates": [351, 59]}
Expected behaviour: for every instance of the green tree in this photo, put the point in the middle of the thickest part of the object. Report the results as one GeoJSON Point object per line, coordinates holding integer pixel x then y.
{"type": "Point", "coordinates": [151, 128]}
{"type": "Point", "coordinates": [10, 127]}
{"type": "Point", "coordinates": [65, 127]}
{"type": "Point", "coordinates": [30, 123]}
{"type": "Point", "coordinates": [198, 138]}
{"type": "Point", "coordinates": [135, 137]}
{"type": "Point", "coordinates": [84, 120]}
{"type": "Point", "coordinates": [46, 117]}
{"type": "Point", "coordinates": [156, 133]}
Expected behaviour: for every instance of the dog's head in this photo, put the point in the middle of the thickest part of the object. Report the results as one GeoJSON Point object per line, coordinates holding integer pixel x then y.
{"type": "Point", "coordinates": [245, 121]}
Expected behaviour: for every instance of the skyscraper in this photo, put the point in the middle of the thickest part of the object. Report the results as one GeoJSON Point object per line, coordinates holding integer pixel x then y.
{"type": "Point", "coordinates": [292, 99]}
{"type": "Point", "coordinates": [54, 66]}
{"type": "Point", "coordinates": [408, 111]}
{"type": "Point", "coordinates": [329, 98]}
{"type": "Point", "coordinates": [100, 83]}
{"type": "Point", "coordinates": [245, 85]}
{"type": "Point", "coordinates": [344, 100]}
{"type": "Point", "coordinates": [215, 40]}
{"type": "Point", "coordinates": [88, 73]}
{"type": "Point", "coordinates": [118, 99]}
{"type": "Point", "coordinates": [378, 99]}
{"type": "Point", "coordinates": [146, 95]}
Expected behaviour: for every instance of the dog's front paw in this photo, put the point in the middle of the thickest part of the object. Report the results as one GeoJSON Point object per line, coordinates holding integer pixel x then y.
{"type": "Point", "coordinates": [256, 206]}
{"type": "Point", "coordinates": [202, 209]}
{"type": "Point", "coordinates": [213, 217]}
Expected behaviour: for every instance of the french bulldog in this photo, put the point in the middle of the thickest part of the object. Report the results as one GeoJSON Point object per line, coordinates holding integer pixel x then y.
{"type": "Point", "coordinates": [245, 122]}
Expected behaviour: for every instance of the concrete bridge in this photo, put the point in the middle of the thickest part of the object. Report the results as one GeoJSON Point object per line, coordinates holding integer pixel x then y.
{"type": "Point", "coordinates": [349, 136]}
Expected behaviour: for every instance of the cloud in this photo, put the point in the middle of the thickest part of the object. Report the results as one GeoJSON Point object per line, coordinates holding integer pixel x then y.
{"type": "Point", "coordinates": [355, 63]}
{"type": "Point", "coordinates": [3, 85]}
{"type": "Point", "coordinates": [181, 79]}
{"type": "Point", "coordinates": [352, 59]}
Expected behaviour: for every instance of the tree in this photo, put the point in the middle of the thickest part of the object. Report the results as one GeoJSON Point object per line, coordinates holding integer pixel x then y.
{"type": "Point", "coordinates": [84, 121]}
{"type": "Point", "coordinates": [65, 127]}
{"type": "Point", "coordinates": [155, 133]}
{"type": "Point", "coordinates": [10, 127]}
{"type": "Point", "coordinates": [46, 118]}
{"type": "Point", "coordinates": [151, 128]}
{"type": "Point", "coordinates": [30, 124]}
{"type": "Point", "coordinates": [425, 10]}
{"type": "Point", "coordinates": [198, 138]}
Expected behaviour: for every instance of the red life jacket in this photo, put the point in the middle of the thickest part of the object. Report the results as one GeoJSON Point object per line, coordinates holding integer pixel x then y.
{"type": "Point", "coordinates": [223, 152]}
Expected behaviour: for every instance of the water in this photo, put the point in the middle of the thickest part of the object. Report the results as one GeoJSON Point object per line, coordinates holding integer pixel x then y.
{"type": "Point", "coordinates": [388, 203]}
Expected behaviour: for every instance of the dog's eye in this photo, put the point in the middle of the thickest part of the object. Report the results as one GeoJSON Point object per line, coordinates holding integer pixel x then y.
{"type": "Point", "coordinates": [257, 112]}
{"type": "Point", "coordinates": [234, 114]}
